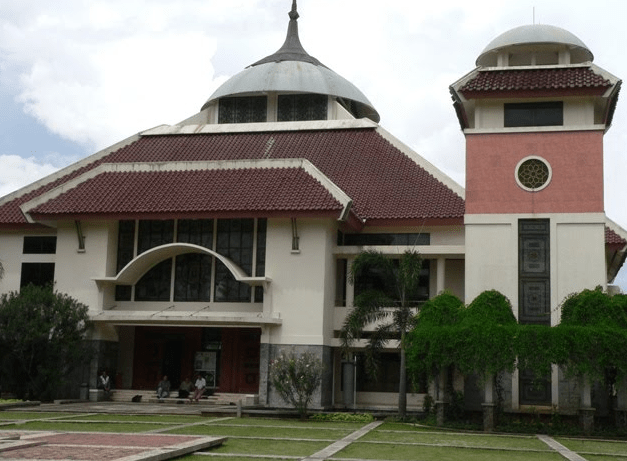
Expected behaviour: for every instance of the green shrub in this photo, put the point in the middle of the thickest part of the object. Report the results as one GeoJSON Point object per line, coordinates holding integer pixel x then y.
{"type": "Point", "coordinates": [296, 378]}
{"type": "Point", "coordinates": [343, 417]}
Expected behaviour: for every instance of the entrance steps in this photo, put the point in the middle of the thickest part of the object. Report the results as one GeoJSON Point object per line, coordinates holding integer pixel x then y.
{"type": "Point", "coordinates": [219, 398]}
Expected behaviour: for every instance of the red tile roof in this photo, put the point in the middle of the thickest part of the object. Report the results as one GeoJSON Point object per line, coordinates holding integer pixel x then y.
{"type": "Point", "coordinates": [198, 191]}
{"type": "Point", "coordinates": [382, 181]}
{"type": "Point", "coordinates": [612, 238]}
{"type": "Point", "coordinates": [572, 78]}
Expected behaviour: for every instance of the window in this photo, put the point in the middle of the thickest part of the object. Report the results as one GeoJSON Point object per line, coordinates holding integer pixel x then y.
{"type": "Point", "coordinates": [533, 174]}
{"type": "Point", "coordinates": [408, 239]}
{"type": "Point", "coordinates": [192, 279]}
{"type": "Point", "coordinates": [260, 263]}
{"type": "Point", "coordinates": [301, 107]}
{"type": "Point", "coordinates": [196, 231]}
{"type": "Point", "coordinates": [40, 274]}
{"type": "Point", "coordinates": [374, 281]}
{"type": "Point", "coordinates": [534, 114]}
{"type": "Point", "coordinates": [534, 390]}
{"type": "Point", "coordinates": [235, 241]}
{"type": "Point", "coordinates": [534, 271]}
{"type": "Point", "coordinates": [153, 234]}
{"type": "Point", "coordinates": [194, 274]}
{"type": "Point", "coordinates": [341, 278]}
{"type": "Point", "coordinates": [243, 109]}
{"type": "Point", "coordinates": [40, 245]}
{"type": "Point", "coordinates": [155, 284]}
{"type": "Point", "coordinates": [388, 374]}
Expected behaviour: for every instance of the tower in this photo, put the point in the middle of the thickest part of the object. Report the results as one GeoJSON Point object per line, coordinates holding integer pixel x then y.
{"type": "Point", "coordinates": [534, 112]}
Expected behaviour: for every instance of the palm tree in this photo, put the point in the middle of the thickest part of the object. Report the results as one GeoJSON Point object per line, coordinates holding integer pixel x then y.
{"type": "Point", "coordinates": [389, 303]}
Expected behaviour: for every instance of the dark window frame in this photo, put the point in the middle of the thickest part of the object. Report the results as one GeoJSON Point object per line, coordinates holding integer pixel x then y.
{"type": "Point", "coordinates": [243, 109]}
{"type": "Point", "coordinates": [528, 114]}
{"type": "Point", "coordinates": [39, 245]}
{"type": "Point", "coordinates": [37, 273]}
{"type": "Point", "coordinates": [384, 239]}
{"type": "Point", "coordinates": [302, 107]}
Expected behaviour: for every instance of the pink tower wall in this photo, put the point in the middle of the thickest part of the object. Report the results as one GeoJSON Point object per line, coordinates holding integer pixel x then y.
{"type": "Point", "coordinates": [576, 160]}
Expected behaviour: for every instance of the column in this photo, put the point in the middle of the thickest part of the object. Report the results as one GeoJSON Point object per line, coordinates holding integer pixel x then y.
{"type": "Point", "coordinates": [440, 278]}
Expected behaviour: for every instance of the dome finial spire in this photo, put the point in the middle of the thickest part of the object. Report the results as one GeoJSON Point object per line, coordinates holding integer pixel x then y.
{"type": "Point", "coordinates": [292, 50]}
{"type": "Point", "coordinates": [294, 13]}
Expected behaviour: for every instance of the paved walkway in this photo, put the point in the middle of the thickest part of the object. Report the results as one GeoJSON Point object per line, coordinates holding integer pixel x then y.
{"type": "Point", "coordinates": [102, 446]}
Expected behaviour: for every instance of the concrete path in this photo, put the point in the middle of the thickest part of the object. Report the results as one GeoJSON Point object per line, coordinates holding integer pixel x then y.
{"type": "Point", "coordinates": [561, 449]}
{"type": "Point", "coordinates": [341, 444]}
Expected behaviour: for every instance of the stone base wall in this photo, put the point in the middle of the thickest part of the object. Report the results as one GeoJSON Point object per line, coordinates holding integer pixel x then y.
{"type": "Point", "coordinates": [269, 397]}
{"type": "Point", "coordinates": [569, 395]}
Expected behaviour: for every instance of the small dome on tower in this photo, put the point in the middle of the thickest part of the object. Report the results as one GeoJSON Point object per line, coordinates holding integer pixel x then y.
{"type": "Point", "coordinates": [292, 70]}
{"type": "Point", "coordinates": [539, 37]}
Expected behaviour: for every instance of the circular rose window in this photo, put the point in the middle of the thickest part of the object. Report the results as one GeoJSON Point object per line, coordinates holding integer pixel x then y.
{"type": "Point", "coordinates": [533, 173]}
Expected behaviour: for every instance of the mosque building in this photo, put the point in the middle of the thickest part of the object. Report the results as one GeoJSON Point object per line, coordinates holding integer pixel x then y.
{"type": "Point", "coordinates": [213, 245]}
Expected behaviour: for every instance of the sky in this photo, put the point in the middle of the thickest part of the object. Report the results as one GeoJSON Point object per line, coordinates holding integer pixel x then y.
{"type": "Point", "coordinates": [79, 75]}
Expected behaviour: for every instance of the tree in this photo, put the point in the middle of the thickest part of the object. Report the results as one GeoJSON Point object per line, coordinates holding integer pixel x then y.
{"type": "Point", "coordinates": [388, 300]}
{"type": "Point", "coordinates": [432, 343]}
{"type": "Point", "coordinates": [42, 336]}
{"type": "Point", "coordinates": [296, 378]}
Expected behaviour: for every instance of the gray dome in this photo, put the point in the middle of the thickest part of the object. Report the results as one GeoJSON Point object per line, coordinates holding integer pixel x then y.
{"type": "Point", "coordinates": [292, 70]}
{"type": "Point", "coordinates": [294, 77]}
{"type": "Point", "coordinates": [536, 34]}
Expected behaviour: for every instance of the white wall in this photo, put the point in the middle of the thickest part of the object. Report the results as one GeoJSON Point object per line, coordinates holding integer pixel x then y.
{"type": "Point", "coordinates": [577, 248]}
{"type": "Point", "coordinates": [75, 270]}
{"type": "Point", "coordinates": [302, 282]}
{"type": "Point", "coordinates": [578, 113]}
{"type": "Point", "coordinates": [491, 259]}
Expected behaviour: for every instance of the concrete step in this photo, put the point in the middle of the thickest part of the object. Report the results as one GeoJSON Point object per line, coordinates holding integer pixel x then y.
{"type": "Point", "coordinates": [126, 395]}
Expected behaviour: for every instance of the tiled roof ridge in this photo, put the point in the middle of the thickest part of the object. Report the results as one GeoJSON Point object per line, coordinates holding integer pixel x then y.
{"type": "Point", "coordinates": [513, 78]}
{"type": "Point", "coordinates": [385, 178]}
{"type": "Point", "coordinates": [261, 127]}
{"type": "Point", "coordinates": [181, 192]}
{"type": "Point", "coordinates": [423, 163]}
{"type": "Point", "coordinates": [305, 165]}
{"type": "Point", "coordinates": [614, 233]}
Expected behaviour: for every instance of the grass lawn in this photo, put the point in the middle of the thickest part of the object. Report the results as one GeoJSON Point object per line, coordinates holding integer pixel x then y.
{"type": "Point", "coordinates": [270, 447]}
{"type": "Point", "coordinates": [585, 446]}
{"type": "Point", "coordinates": [174, 419]}
{"type": "Point", "coordinates": [22, 415]}
{"type": "Point", "coordinates": [282, 439]}
{"type": "Point", "coordinates": [231, 458]}
{"type": "Point", "coordinates": [297, 423]}
{"type": "Point", "coordinates": [388, 451]}
{"type": "Point", "coordinates": [79, 426]}
{"type": "Point", "coordinates": [605, 458]}
{"type": "Point", "coordinates": [452, 439]}
{"type": "Point", "coordinates": [261, 431]}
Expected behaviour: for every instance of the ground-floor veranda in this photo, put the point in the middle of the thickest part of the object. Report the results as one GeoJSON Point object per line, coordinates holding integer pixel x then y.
{"type": "Point", "coordinates": [234, 360]}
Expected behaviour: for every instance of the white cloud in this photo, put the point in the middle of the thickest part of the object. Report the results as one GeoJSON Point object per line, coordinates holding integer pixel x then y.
{"type": "Point", "coordinates": [18, 172]}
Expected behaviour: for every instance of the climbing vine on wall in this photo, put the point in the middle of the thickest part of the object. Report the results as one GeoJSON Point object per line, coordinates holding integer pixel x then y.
{"type": "Point", "coordinates": [484, 337]}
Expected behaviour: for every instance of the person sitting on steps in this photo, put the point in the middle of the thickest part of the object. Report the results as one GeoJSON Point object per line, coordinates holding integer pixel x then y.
{"type": "Point", "coordinates": [199, 385]}
{"type": "Point", "coordinates": [163, 388]}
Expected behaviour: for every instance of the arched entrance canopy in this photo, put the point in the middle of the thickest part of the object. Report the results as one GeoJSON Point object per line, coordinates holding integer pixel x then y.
{"type": "Point", "coordinates": [134, 270]}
